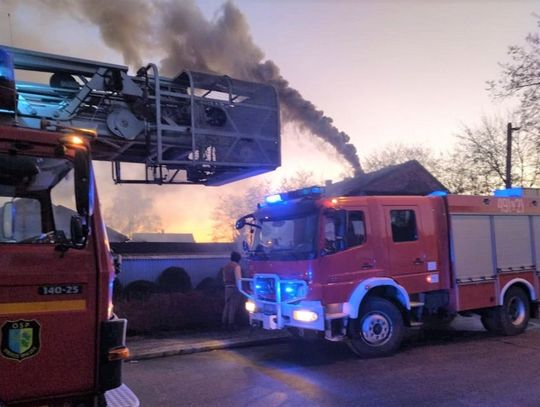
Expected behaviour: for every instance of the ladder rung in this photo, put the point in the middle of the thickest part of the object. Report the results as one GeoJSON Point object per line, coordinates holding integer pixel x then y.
{"type": "Point", "coordinates": [174, 94]}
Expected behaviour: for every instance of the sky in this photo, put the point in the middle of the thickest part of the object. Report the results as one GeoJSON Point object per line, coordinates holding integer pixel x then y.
{"type": "Point", "coordinates": [411, 72]}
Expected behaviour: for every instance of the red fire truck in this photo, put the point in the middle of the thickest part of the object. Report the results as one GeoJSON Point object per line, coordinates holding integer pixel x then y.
{"type": "Point", "coordinates": [60, 342]}
{"type": "Point", "coordinates": [364, 268]}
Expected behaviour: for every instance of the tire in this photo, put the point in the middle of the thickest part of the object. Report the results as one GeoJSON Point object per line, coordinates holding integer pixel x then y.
{"type": "Point", "coordinates": [512, 317]}
{"type": "Point", "coordinates": [378, 330]}
{"type": "Point", "coordinates": [488, 321]}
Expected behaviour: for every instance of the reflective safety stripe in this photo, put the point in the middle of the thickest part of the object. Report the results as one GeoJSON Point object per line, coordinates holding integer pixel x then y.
{"type": "Point", "coordinates": [42, 306]}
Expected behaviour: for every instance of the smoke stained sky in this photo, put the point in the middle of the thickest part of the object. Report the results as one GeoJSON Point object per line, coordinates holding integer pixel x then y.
{"type": "Point", "coordinates": [384, 71]}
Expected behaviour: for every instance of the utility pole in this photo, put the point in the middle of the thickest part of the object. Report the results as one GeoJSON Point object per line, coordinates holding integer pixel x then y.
{"type": "Point", "coordinates": [509, 130]}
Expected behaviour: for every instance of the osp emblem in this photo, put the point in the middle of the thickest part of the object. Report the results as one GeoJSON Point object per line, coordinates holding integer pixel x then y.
{"type": "Point", "coordinates": [20, 339]}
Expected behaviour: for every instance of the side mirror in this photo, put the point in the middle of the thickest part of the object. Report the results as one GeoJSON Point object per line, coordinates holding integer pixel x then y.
{"type": "Point", "coordinates": [79, 232]}
{"type": "Point", "coordinates": [84, 183]}
{"type": "Point", "coordinates": [8, 220]}
{"type": "Point", "coordinates": [240, 223]}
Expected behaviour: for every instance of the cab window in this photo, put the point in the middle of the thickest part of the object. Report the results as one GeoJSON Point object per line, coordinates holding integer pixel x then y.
{"type": "Point", "coordinates": [356, 230]}
{"type": "Point", "coordinates": [36, 199]}
{"type": "Point", "coordinates": [343, 230]}
{"type": "Point", "coordinates": [403, 223]}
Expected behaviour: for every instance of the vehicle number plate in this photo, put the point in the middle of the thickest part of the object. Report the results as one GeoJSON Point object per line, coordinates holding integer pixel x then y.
{"type": "Point", "coordinates": [64, 289]}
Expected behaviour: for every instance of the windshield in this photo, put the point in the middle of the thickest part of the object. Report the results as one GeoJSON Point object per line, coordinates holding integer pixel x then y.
{"type": "Point", "coordinates": [36, 199]}
{"type": "Point", "coordinates": [286, 239]}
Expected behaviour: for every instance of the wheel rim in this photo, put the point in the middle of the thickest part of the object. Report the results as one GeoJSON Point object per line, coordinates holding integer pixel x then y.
{"type": "Point", "coordinates": [516, 311]}
{"type": "Point", "coordinates": [376, 328]}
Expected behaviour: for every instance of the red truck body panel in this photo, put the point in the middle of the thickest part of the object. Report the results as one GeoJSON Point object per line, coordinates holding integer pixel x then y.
{"type": "Point", "coordinates": [443, 256]}
{"type": "Point", "coordinates": [484, 230]}
{"type": "Point", "coordinates": [64, 328]}
{"type": "Point", "coordinates": [334, 277]}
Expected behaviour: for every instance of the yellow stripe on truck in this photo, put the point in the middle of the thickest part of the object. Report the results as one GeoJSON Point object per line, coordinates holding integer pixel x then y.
{"type": "Point", "coordinates": [42, 306]}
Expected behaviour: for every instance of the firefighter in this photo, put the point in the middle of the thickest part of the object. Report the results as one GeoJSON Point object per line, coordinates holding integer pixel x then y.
{"type": "Point", "coordinates": [233, 298]}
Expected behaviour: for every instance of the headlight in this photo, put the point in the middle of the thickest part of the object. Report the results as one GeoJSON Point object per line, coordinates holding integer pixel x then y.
{"type": "Point", "coordinates": [291, 290]}
{"type": "Point", "coordinates": [250, 307]}
{"type": "Point", "coordinates": [303, 315]}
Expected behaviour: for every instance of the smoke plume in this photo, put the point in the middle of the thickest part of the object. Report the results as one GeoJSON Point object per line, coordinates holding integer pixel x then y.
{"type": "Point", "coordinates": [190, 41]}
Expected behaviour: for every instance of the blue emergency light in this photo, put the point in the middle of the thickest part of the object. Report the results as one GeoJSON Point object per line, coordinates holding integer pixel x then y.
{"type": "Point", "coordinates": [509, 193]}
{"type": "Point", "coordinates": [7, 82]}
{"type": "Point", "coordinates": [271, 199]}
{"type": "Point", "coordinates": [309, 192]}
{"type": "Point", "coordinates": [438, 193]}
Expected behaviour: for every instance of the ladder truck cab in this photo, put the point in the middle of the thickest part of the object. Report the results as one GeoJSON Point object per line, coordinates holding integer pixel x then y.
{"type": "Point", "coordinates": [60, 341]}
{"type": "Point", "coordinates": [365, 268]}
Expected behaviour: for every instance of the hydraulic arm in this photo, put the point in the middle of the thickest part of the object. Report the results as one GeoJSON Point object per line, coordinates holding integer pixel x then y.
{"type": "Point", "coordinates": [194, 128]}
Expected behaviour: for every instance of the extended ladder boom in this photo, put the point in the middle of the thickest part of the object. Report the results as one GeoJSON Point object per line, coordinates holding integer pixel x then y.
{"type": "Point", "coordinates": [194, 128]}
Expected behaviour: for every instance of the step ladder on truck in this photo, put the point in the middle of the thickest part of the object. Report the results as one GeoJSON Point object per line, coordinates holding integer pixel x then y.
{"type": "Point", "coordinates": [57, 114]}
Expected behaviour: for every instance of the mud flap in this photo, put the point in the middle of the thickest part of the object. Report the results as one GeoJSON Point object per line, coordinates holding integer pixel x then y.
{"type": "Point", "coordinates": [121, 397]}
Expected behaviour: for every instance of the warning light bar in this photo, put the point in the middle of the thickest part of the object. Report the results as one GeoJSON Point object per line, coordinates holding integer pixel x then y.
{"type": "Point", "coordinates": [273, 198]}
{"type": "Point", "coordinates": [308, 192]}
{"type": "Point", "coordinates": [509, 192]}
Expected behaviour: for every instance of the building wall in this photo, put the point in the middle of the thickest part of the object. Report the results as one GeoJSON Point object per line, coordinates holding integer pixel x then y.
{"type": "Point", "coordinates": [150, 267]}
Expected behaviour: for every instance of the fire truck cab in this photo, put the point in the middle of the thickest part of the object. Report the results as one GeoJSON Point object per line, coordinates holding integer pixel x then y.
{"type": "Point", "coordinates": [364, 268]}
{"type": "Point", "coordinates": [54, 261]}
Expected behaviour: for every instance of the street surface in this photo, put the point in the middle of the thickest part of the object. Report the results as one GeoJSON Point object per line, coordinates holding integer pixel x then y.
{"type": "Point", "coordinates": [461, 366]}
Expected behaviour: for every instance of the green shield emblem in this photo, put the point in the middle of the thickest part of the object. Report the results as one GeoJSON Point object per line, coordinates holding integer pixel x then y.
{"type": "Point", "coordinates": [20, 339]}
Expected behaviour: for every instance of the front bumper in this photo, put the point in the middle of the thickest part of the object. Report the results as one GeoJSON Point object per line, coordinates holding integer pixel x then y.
{"type": "Point", "coordinates": [278, 316]}
{"type": "Point", "coordinates": [278, 303]}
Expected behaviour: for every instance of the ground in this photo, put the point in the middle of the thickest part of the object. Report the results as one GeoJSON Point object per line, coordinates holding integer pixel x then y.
{"type": "Point", "coordinates": [463, 366]}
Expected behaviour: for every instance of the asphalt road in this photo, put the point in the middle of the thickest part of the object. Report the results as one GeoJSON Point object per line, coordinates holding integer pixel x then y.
{"type": "Point", "coordinates": [463, 366]}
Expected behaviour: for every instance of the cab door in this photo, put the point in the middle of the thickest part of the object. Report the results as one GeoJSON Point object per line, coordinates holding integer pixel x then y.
{"type": "Point", "coordinates": [412, 250]}
{"type": "Point", "coordinates": [47, 321]}
{"type": "Point", "coordinates": [347, 253]}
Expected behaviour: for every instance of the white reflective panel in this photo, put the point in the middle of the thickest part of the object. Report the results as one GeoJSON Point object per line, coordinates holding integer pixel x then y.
{"type": "Point", "coordinates": [513, 241]}
{"type": "Point", "coordinates": [536, 232]}
{"type": "Point", "coordinates": [471, 241]}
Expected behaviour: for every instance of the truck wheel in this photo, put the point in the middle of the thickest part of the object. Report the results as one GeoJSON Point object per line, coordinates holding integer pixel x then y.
{"type": "Point", "coordinates": [378, 330]}
{"type": "Point", "coordinates": [488, 321]}
{"type": "Point", "coordinates": [513, 316]}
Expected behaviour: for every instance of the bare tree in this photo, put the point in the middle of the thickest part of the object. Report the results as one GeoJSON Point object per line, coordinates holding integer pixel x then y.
{"type": "Point", "coordinates": [234, 205]}
{"type": "Point", "coordinates": [299, 179]}
{"type": "Point", "coordinates": [398, 153]}
{"type": "Point", "coordinates": [477, 163]}
{"type": "Point", "coordinates": [132, 212]}
{"type": "Point", "coordinates": [520, 78]}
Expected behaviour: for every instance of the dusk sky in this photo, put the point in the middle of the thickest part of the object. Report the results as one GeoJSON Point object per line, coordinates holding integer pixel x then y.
{"type": "Point", "coordinates": [411, 72]}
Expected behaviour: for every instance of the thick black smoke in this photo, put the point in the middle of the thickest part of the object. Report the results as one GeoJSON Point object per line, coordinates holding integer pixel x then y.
{"type": "Point", "coordinates": [190, 41]}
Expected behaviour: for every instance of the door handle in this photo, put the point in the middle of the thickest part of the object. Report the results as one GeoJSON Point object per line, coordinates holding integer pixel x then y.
{"type": "Point", "coordinates": [367, 266]}
{"type": "Point", "coordinates": [418, 260]}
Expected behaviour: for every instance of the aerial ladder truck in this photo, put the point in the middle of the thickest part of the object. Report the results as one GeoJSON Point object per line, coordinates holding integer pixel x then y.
{"type": "Point", "coordinates": [60, 342]}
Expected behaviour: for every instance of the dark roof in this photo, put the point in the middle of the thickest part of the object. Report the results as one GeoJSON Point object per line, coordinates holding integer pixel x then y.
{"type": "Point", "coordinates": [134, 248]}
{"type": "Point", "coordinates": [115, 236]}
{"type": "Point", "coordinates": [409, 178]}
